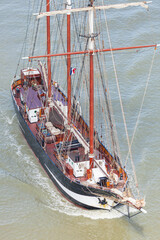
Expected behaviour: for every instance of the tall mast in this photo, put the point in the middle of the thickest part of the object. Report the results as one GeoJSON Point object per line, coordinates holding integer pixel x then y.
{"type": "Point", "coordinates": [69, 61]}
{"type": "Point", "coordinates": [48, 48]}
{"type": "Point", "coordinates": [91, 116]}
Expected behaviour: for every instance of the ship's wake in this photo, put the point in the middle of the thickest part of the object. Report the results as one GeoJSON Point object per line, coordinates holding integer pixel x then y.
{"type": "Point", "coordinates": [24, 167]}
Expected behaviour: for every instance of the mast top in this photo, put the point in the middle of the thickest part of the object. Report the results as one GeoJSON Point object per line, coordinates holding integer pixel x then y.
{"type": "Point", "coordinates": [68, 6]}
{"type": "Point", "coordinates": [91, 3]}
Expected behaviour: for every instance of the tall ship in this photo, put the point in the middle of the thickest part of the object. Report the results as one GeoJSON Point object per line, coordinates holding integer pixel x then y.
{"type": "Point", "coordinates": [63, 104]}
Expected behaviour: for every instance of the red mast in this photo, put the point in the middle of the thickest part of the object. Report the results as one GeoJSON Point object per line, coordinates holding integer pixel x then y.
{"type": "Point", "coordinates": [69, 62]}
{"type": "Point", "coordinates": [48, 49]}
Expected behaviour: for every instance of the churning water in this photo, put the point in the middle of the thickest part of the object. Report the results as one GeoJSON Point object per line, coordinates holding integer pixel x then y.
{"type": "Point", "coordinates": [30, 205]}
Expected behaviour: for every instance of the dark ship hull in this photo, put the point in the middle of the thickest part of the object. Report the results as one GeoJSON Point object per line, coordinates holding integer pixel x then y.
{"type": "Point", "coordinates": [67, 147]}
{"type": "Point", "coordinates": [73, 191]}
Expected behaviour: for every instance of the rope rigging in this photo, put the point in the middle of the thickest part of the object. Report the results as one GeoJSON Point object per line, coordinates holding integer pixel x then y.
{"type": "Point", "coordinates": [61, 41]}
{"type": "Point", "coordinates": [23, 50]}
{"type": "Point", "coordinates": [82, 69]}
{"type": "Point", "coordinates": [79, 85]}
{"type": "Point", "coordinates": [114, 145]}
{"type": "Point", "coordinates": [36, 33]}
{"type": "Point", "coordinates": [142, 103]}
{"type": "Point", "coordinates": [121, 104]}
{"type": "Point", "coordinates": [107, 99]}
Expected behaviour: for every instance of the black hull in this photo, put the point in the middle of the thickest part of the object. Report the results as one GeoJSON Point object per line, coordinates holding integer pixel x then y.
{"type": "Point", "coordinates": [58, 178]}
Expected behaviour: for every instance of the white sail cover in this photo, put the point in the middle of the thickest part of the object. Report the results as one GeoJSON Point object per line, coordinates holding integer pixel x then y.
{"type": "Point", "coordinates": [115, 6]}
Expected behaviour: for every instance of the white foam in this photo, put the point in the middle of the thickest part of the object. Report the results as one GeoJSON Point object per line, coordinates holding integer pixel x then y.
{"type": "Point", "coordinates": [31, 173]}
{"type": "Point", "coordinates": [58, 203]}
{"type": "Point", "coordinates": [10, 121]}
{"type": "Point", "coordinates": [52, 199]}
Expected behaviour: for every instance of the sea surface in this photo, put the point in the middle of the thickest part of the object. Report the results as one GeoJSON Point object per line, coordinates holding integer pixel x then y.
{"type": "Point", "coordinates": [30, 206]}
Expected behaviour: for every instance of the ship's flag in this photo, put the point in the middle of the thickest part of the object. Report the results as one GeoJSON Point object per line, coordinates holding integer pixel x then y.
{"type": "Point", "coordinates": [72, 70]}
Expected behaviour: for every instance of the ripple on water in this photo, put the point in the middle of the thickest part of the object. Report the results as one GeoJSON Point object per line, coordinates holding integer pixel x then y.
{"type": "Point", "coordinates": [25, 170]}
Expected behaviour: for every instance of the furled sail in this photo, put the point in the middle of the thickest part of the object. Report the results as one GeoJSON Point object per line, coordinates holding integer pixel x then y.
{"type": "Point", "coordinates": [115, 6]}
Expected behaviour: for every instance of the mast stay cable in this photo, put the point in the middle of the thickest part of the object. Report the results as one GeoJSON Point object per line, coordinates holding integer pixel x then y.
{"type": "Point", "coordinates": [121, 104]}
{"type": "Point", "coordinates": [24, 41]}
{"type": "Point", "coordinates": [140, 110]}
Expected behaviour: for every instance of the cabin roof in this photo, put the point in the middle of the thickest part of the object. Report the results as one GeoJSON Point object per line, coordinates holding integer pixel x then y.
{"type": "Point", "coordinates": [32, 99]}
{"type": "Point", "coordinates": [30, 71]}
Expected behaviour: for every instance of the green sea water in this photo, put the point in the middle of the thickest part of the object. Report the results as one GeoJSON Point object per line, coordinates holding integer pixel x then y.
{"type": "Point", "coordinates": [30, 206]}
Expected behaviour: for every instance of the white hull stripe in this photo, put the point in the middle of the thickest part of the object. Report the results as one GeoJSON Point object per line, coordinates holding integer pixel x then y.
{"type": "Point", "coordinates": [86, 200]}
{"type": "Point", "coordinates": [90, 201]}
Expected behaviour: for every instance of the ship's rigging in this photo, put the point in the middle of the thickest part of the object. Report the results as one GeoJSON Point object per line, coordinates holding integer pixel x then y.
{"type": "Point", "coordinates": [75, 131]}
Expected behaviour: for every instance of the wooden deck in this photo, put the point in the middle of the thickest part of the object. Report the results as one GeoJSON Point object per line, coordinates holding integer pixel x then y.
{"type": "Point", "coordinates": [60, 160]}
